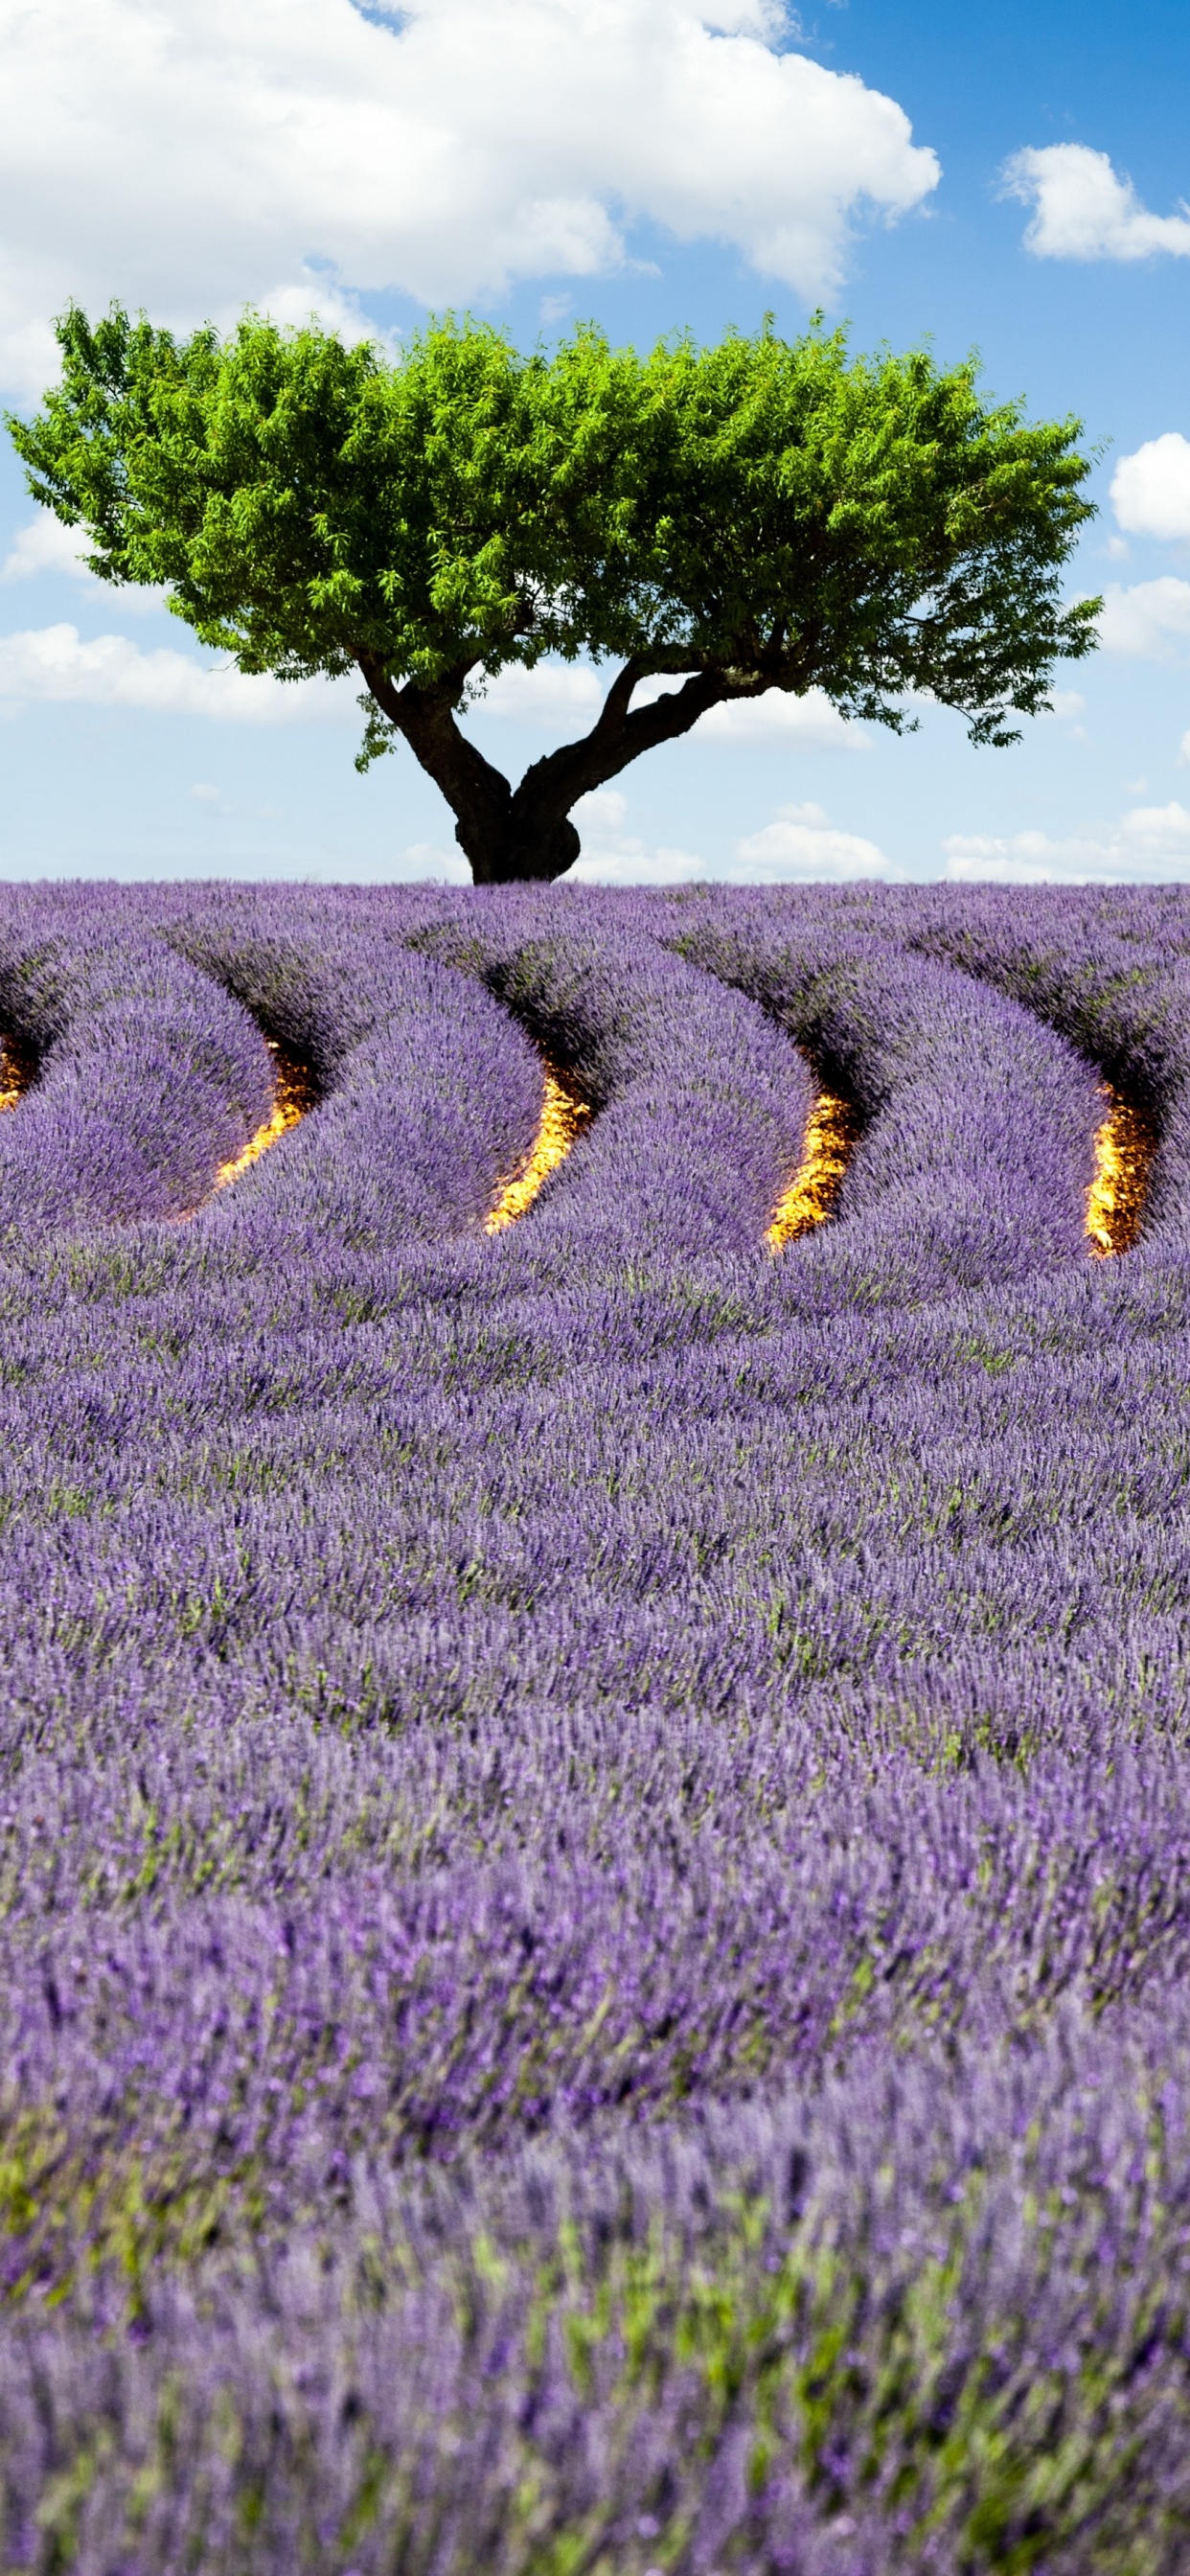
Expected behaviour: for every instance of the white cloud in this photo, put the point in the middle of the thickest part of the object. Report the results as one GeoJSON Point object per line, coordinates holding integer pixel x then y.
{"type": "Point", "coordinates": [1147, 623]}
{"type": "Point", "coordinates": [189, 155]}
{"type": "Point", "coordinates": [310, 295]}
{"type": "Point", "coordinates": [1082, 210]}
{"type": "Point", "coordinates": [775, 721]}
{"type": "Point", "coordinates": [1065, 707]}
{"type": "Point", "coordinates": [1151, 841]}
{"type": "Point", "coordinates": [43, 545]}
{"type": "Point", "coordinates": [778, 722]}
{"type": "Point", "coordinates": [602, 811]}
{"type": "Point", "coordinates": [1150, 491]}
{"type": "Point", "coordinates": [612, 856]}
{"type": "Point", "coordinates": [554, 694]}
{"type": "Point", "coordinates": [803, 842]}
{"type": "Point", "coordinates": [53, 664]}
{"type": "Point", "coordinates": [634, 865]}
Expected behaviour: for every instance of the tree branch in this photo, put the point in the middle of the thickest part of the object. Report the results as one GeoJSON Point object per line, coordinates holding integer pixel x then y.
{"type": "Point", "coordinates": [621, 732]}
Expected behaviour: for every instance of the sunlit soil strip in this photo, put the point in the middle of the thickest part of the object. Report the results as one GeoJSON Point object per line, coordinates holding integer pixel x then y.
{"type": "Point", "coordinates": [563, 1115]}
{"type": "Point", "coordinates": [1124, 1150]}
{"type": "Point", "coordinates": [16, 1074]}
{"type": "Point", "coordinates": [296, 1093]}
{"type": "Point", "coordinates": [811, 1194]}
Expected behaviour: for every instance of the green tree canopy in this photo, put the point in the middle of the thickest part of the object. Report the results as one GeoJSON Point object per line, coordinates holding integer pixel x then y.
{"type": "Point", "coordinates": [759, 515]}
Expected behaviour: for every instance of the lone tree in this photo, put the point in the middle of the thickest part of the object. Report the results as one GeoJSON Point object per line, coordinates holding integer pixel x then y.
{"type": "Point", "coordinates": [724, 521]}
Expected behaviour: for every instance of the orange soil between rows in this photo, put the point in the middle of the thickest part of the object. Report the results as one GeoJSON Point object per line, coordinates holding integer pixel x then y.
{"type": "Point", "coordinates": [1125, 1143]}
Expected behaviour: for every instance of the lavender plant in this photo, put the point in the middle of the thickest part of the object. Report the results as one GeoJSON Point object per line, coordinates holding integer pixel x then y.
{"type": "Point", "coordinates": [594, 1846]}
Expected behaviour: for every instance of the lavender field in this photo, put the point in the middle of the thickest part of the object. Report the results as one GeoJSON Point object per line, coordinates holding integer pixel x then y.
{"type": "Point", "coordinates": [596, 1804]}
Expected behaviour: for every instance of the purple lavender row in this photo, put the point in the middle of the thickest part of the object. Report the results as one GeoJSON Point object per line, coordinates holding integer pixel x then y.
{"type": "Point", "coordinates": [977, 1126]}
{"type": "Point", "coordinates": [1124, 1000]}
{"type": "Point", "coordinates": [929, 1138]}
{"type": "Point", "coordinates": [1109, 971]}
{"type": "Point", "coordinates": [148, 1078]}
{"type": "Point", "coordinates": [152, 1075]}
{"type": "Point", "coordinates": [430, 1092]}
{"type": "Point", "coordinates": [483, 1995]}
{"type": "Point", "coordinates": [700, 1106]}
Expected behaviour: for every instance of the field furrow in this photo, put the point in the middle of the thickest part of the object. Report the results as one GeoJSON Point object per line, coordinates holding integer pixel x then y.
{"type": "Point", "coordinates": [564, 1114]}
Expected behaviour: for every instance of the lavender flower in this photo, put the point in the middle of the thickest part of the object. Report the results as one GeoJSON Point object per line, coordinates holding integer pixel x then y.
{"type": "Point", "coordinates": [594, 1820]}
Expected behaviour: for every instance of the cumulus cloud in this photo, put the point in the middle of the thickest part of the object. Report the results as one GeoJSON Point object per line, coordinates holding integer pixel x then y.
{"type": "Point", "coordinates": [779, 722]}
{"type": "Point", "coordinates": [43, 545]}
{"type": "Point", "coordinates": [1151, 841]}
{"type": "Point", "coordinates": [189, 155]}
{"type": "Point", "coordinates": [554, 694]}
{"type": "Point", "coordinates": [612, 856]}
{"type": "Point", "coordinates": [1148, 623]}
{"type": "Point", "coordinates": [1083, 210]}
{"type": "Point", "coordinates": [53, 664]}
{"type": "Point", "coordinates": [803, 842]}
{"type": "Point", "coordinates": [773, 722]}
{"type": "Point", "coordinates": [1150, 491]}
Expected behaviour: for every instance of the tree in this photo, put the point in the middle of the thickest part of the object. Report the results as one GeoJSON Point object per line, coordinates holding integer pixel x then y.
{"type": "Point", "coordinates": [722, 521]}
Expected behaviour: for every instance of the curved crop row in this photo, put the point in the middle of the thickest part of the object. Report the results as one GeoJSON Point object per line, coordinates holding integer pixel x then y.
{"type": "Point", "coordinates": [1124, 1002]}
{"type": "Point", "coordinates": [18, 1066]}
{"type": "Point", "coordinates": [149, 1079]}
{"type": "Point", "coordinates": [976, 1128]}
{"type": "Point", "coordinates": [1120, 1195]}
{"type": "Point", "coordinates": [701, 1107]}
{"type": "Point", "coordinates": [295, 1095]}
{"type": "Point", "coordinates": [964, 1120]}
{"type": "Point", "coordinates": [1108, 970]}
{"type": "Point", "coordinates": [162, 1076]}
{"type": "Point", "coordinates": [812, 1194]}
{"type": "Point", "coordinates": [427, 1090]}
{"type": "Point", "coordinates": [564, 1113]}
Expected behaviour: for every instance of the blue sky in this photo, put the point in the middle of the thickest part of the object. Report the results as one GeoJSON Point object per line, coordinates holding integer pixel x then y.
{"type": "Point", "coordinates": [1007, 180]}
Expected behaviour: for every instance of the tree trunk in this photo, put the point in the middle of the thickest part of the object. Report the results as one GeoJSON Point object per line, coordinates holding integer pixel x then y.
{"type": "Point", "coordinates": [526, 836]}
{"type": "Point", "coordinates": [519, 851]}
